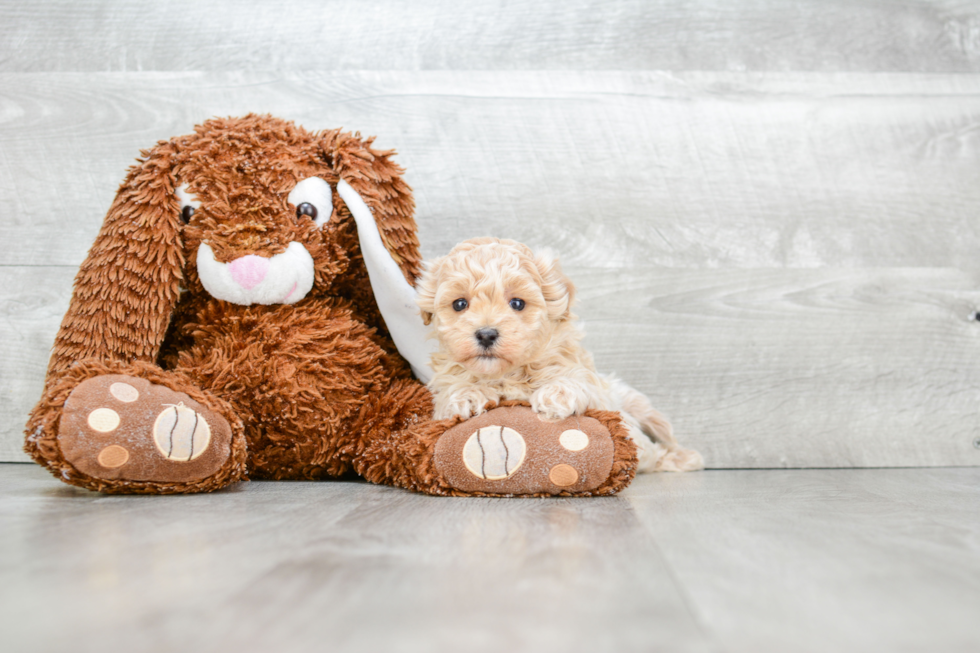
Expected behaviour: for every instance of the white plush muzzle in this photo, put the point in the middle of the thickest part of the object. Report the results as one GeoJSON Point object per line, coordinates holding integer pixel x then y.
{"type": "Point", "coordinates": [284, 278]}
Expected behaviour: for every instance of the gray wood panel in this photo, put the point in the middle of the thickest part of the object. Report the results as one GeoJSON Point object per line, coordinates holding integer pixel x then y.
{"type": "Point", "coordinates": [288, 566]}
{"type": "Point", "coordinates": [619, 169]}
{"type": "Point", "coordinates": [823, 560]}
{"type": "Point", "coordinates": [859, 35]}
{"type": "Point", "coordinates": [721, 561]}
{"type": "Point", "coordinates": [32, 303]}
{"type": "Point", "coordinates": [798, 368]}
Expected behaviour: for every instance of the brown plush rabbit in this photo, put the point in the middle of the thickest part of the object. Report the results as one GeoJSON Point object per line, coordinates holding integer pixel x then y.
{"type": "Point", "coordinates": [224, 325]}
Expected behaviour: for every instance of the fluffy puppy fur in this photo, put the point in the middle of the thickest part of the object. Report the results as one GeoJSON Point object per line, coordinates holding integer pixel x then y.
{"type": "Point", "coordinates": [502, 316]}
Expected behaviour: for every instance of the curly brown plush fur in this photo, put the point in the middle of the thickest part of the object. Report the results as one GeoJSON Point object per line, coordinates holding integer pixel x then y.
{"type": "Point", "coordinates": [309, 390]}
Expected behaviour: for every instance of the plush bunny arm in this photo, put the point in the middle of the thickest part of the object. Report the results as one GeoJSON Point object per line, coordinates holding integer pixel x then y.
{"type": "Point", "coordinates": [395, 296]}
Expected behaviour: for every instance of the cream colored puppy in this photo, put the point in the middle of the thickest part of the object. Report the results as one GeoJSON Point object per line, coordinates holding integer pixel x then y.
{"type": "Point", "coordinates": [503, 319]}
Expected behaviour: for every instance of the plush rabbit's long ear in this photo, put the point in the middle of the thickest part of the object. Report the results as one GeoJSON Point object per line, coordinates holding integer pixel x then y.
{"type": "Point", "coordinates": [381, 204]}
{"type": "Point", "coordinates": [126, 288]}
{"type": "Point", "coordinates": [377, 179]}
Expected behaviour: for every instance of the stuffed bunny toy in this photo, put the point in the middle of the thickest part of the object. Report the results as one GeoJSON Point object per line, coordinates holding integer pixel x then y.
{"type": "Point", "coordinates": [247, 310]}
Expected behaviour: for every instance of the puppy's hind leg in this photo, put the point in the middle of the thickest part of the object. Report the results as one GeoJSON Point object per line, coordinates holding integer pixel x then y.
{"type": "Point", "coordinates": [667, 455]}
{"type": "Point", "coordinates": [649, 454]}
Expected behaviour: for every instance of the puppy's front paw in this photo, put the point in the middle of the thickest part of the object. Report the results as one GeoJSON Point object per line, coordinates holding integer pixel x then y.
{"type": "Point", "coordinates": [466, 404]}
{"type": "Point", "coordinates": [558, 400]}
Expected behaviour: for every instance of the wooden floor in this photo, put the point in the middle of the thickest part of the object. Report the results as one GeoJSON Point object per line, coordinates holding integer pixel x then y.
{"type": "Point", "coordinates": [781, 560]}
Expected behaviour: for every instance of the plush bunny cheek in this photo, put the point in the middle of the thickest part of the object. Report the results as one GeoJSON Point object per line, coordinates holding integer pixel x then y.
{"type": "Point", "coordinates": [284, 278]}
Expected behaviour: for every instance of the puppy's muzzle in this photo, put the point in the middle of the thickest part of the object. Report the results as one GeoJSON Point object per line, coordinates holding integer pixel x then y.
{"type": "Point", "coordinates": [486, 337]}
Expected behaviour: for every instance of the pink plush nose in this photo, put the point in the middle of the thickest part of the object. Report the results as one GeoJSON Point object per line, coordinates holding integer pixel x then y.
{"type": "Point", "coordinates": [249, 271]}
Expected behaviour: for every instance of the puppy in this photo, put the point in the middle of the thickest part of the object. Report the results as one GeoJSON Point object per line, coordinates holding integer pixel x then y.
{"type": "Point", "coordinates": [503, 319]}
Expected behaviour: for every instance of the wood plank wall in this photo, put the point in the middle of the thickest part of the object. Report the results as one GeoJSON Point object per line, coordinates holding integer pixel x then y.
{"type": "Point", "coordinates": [770, 208]}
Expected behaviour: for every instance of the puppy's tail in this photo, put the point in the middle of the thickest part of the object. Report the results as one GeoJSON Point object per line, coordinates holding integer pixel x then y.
{"type": "Point", "coordinates": [653, 423]}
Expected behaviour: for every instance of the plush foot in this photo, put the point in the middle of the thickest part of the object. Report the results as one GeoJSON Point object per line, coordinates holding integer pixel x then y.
{"type": "Point", "coordinates": [122, 428]}
{"type": "Point", "coordinates": [511, 451]}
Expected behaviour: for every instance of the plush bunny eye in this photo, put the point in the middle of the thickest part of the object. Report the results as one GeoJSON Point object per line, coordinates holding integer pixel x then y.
{"type": "Point", "coordinates": [313, 200]}
{"type": "Point", "coordinates": [460, 305]}
{"type": "Point", "coordinates": [517, 304]}
{"type": "Point", "coordinates": [306, 209]}
{"type": "Point", "coordinates": [188, 203]}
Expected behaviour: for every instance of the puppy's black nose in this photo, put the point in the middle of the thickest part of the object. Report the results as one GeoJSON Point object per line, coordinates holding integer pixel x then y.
{"type": "Point", "coordinates": [486, 337]}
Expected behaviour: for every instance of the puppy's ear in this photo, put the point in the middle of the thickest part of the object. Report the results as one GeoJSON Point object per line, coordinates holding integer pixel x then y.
{"type": "Point", "coordinates": [558, 290]}
{"type": "Point", "coordinates": [126, 289]}
{"type": "Point", "coordinates": [426, 288]}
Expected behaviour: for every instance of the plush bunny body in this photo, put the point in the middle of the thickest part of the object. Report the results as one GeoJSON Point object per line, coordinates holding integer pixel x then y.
{"type": "Point", "coordinates": [224, 325]}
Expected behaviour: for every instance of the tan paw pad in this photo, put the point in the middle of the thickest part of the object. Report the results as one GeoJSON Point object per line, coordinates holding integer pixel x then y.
{"type": "Point", "coordinates": [103, 420]}
{"type": "Point", "coordinates": [113, 456]}
{"type": "Point", "coordinates": [181, 434]}
{"type": "Point", "coordinates": [494, 452]}
{"type": "Point", "coordinates": [574, 440]}
{"type": "Point", "coordinates": [124, 392]}
{"type": "Point", "coordinates": [563, 475]}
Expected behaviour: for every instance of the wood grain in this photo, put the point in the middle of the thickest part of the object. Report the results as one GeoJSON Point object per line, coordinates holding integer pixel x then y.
{"type": "Point", "coordinates": [705, 170]}
{"type": "Point", "coordinates": [798, 368]}
{"type": "Point", "coordinates": [823, 560]}
{"type": "Point", "coordinates": [722, 561]}
{"type": "Point", "coordinates": [283, 566]}
{"type": "Point", "coordinates": [760, 35]}
{"type": "Point", "coordinates": [32, 303]}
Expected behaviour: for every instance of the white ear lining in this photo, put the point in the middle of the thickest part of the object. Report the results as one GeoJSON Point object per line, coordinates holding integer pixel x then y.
{"type": "Point", "coordinates": [395, 296]}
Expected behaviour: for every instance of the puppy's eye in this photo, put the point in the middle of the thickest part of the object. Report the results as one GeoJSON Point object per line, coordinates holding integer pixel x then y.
{"type": "Point", "coordinates": [313, 199]}
{"type": "Point", "coordinates": [460, 305]}
{"type": "Point", "coordinates": [306, 209]}
{"type": "Point", "coordinates": [517, 304]}
{"type": "Point", "coordinates": [188, 203]}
